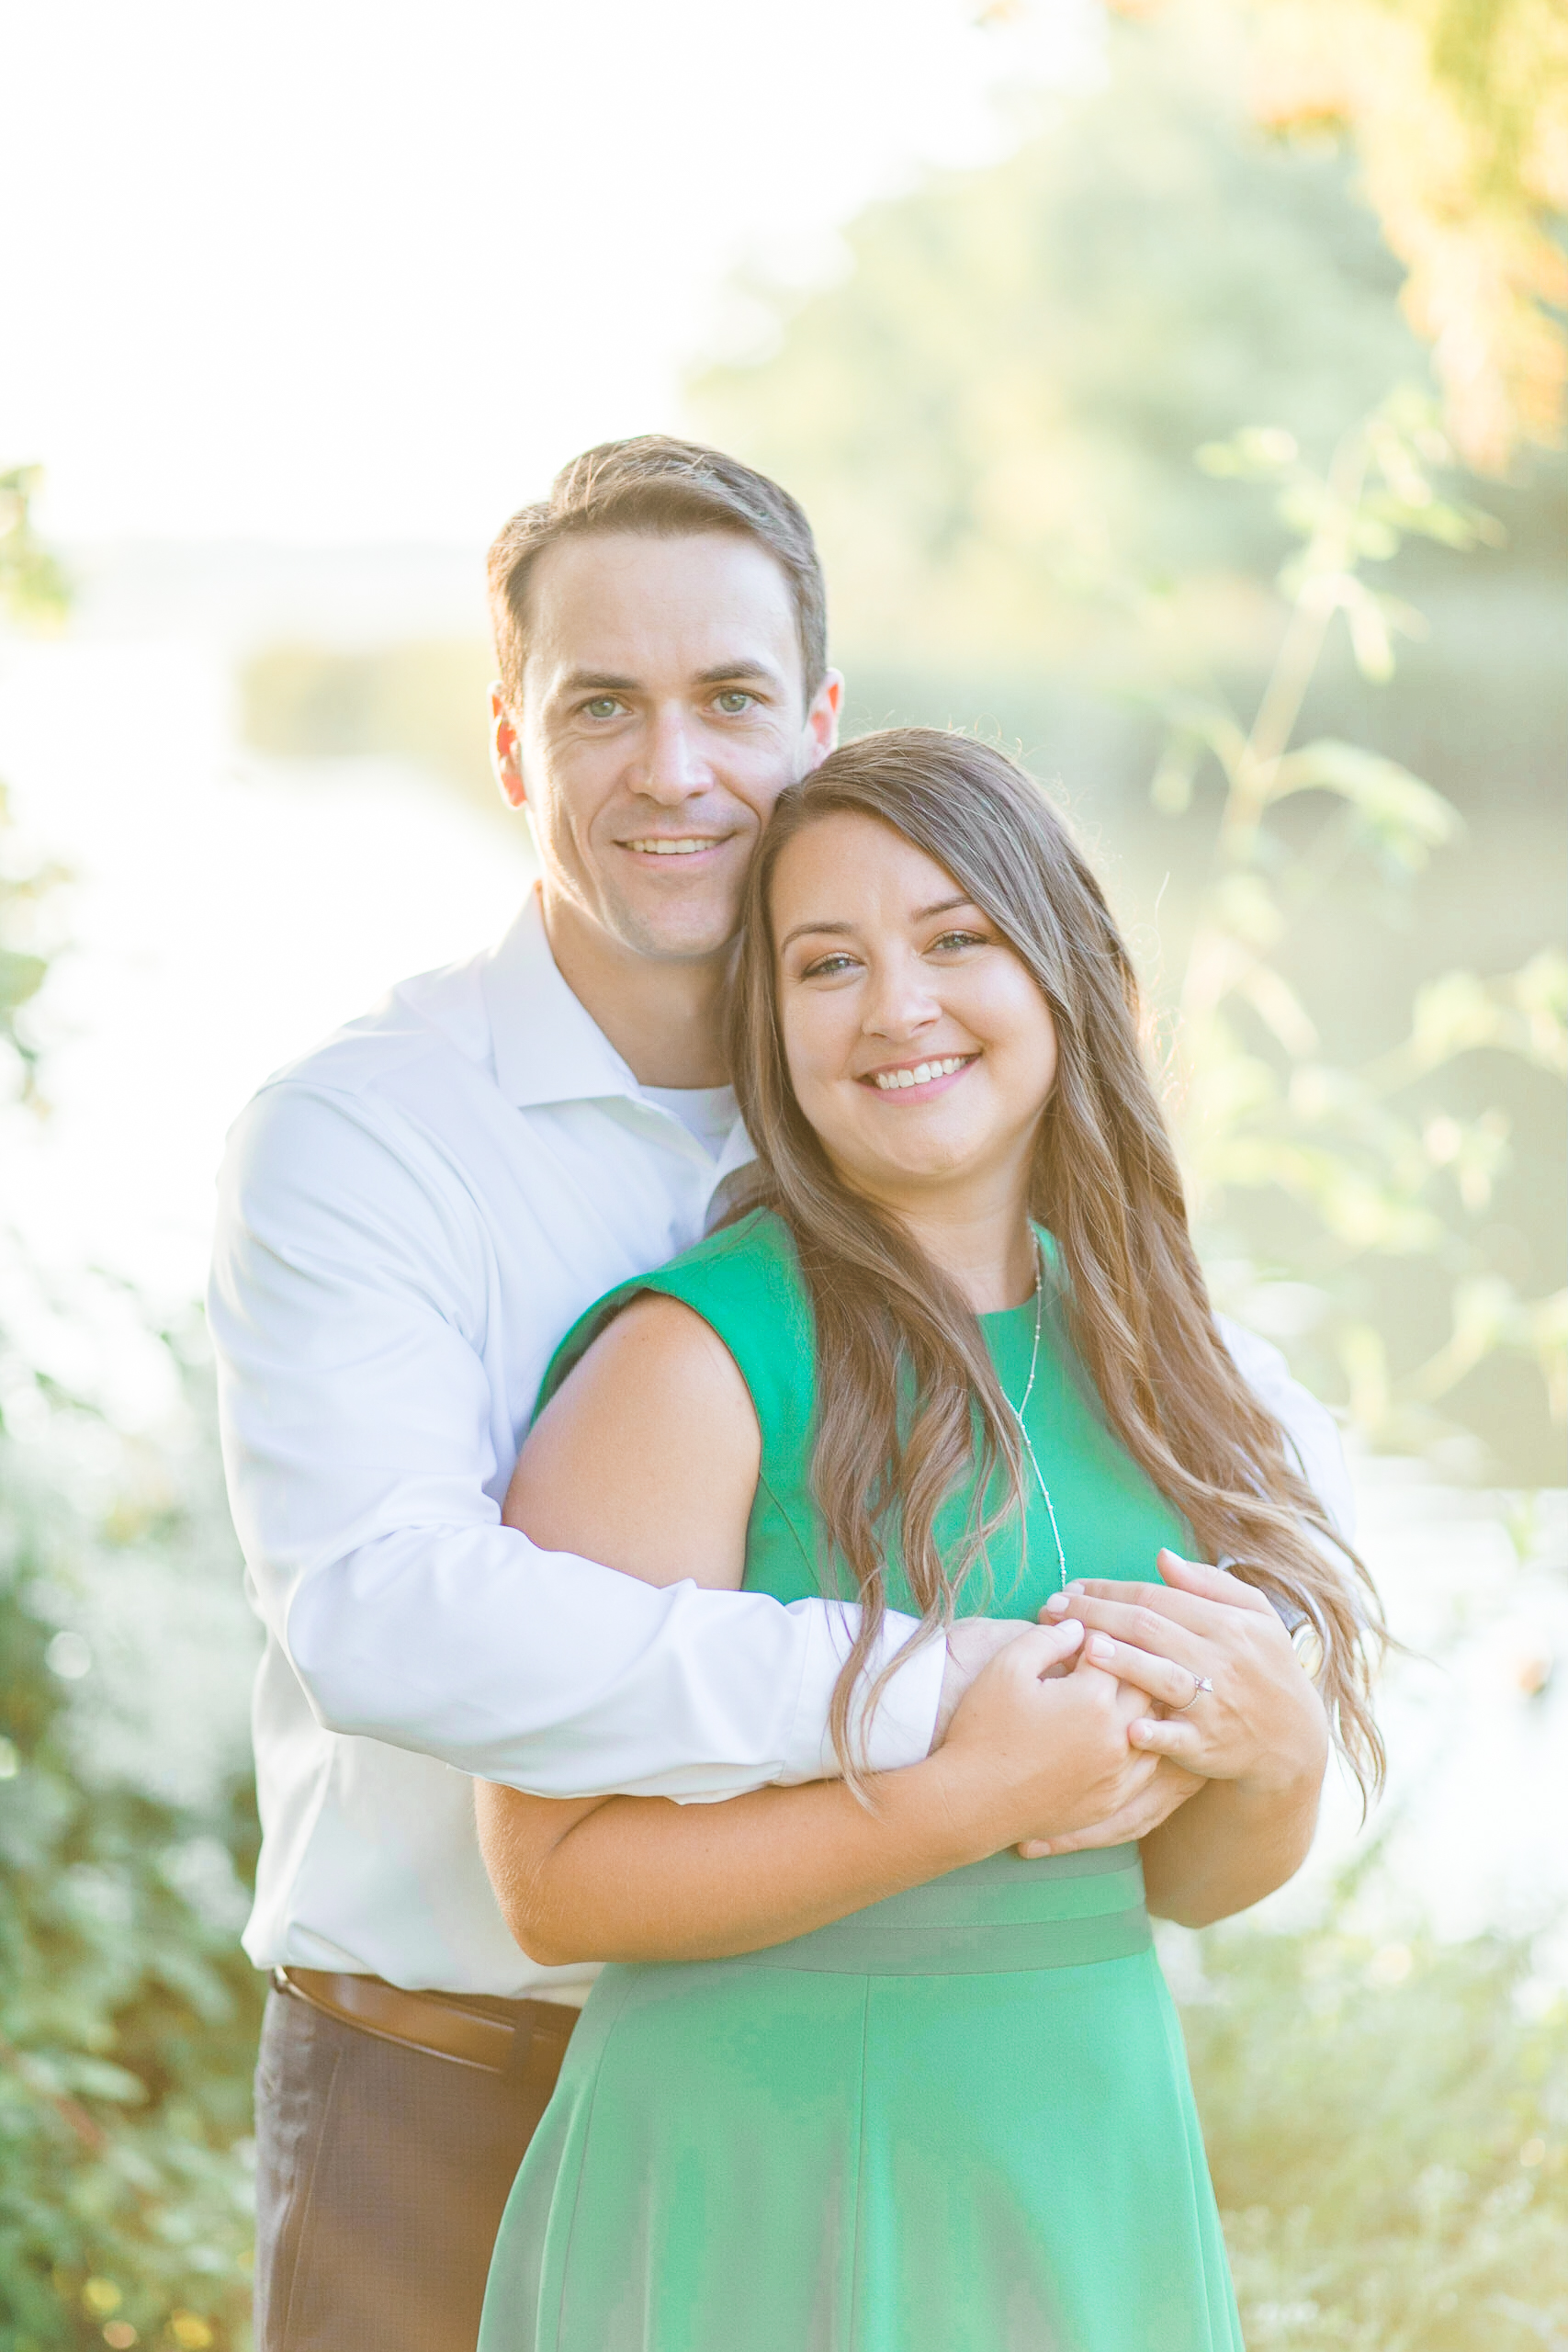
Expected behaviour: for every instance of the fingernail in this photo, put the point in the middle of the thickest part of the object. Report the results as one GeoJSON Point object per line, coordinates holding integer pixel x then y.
{"type": "Point", "coordinates": [1101, 1649]}
{"type": "Point", "coordinates": [1056, 1603]}
{"type": "Point", "coordinates": [1077, 1585]}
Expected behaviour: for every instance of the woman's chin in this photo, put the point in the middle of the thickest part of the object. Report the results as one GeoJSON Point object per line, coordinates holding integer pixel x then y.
{"type": "Point", "coordinates": [920, 1165]}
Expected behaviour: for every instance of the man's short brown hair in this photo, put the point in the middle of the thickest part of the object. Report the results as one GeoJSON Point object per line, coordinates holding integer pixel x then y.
{"type": "Point", "coordinates": [665, 489]}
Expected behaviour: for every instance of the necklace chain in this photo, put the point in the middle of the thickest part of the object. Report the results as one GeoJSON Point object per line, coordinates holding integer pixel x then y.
{"type": "Point", "coordinates": [1019, 1411]}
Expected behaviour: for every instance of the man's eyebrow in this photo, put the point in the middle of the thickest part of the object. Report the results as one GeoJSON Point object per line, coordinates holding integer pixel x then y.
{"type": "Point", "coordinates": [607, 682]}
{"type": "Point", "coordinates": [601, 680]}
{"type": "Point", "coordinates": [753, 666]}
{"type": "Point", "coordinates": [843, 929]}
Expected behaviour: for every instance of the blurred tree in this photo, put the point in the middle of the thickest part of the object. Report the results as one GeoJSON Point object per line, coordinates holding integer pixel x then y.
{"type": "Point", "coordinates": [992, 418]}
{"type": "Point", "coordinates": [126, 2013]}
{"type": "Point", "coordinates": [1459, 112]}
{"type": "Point", "coordinates": [32, 589]}
{"type": "Point", "coordinates": [1373, 1154]}
{"type": "Point", "coordinates": [424, 700]}
{"type": "Point", "coordinates": [991, 413]}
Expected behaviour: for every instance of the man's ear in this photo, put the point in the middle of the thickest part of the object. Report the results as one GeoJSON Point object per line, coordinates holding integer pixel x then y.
{"type": "Point", "coordinates": [822, 718]}
{"type": "Point", "coordinates": [505, 750]}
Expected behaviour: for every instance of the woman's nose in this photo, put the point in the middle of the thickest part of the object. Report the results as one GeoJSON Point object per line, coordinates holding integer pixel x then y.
{"type": "Point", "coordinates": [900, 1002]}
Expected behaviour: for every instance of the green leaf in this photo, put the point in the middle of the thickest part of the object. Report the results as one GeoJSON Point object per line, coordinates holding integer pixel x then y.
{"type": "Point", "coordinates": [1395, 811]}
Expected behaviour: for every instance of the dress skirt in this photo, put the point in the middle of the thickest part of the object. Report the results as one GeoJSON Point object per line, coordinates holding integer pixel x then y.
{"type": "Point", "coordinates": [959, 2120]}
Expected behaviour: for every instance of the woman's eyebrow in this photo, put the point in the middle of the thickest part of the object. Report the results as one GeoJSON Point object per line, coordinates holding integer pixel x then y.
{"type": "Point", "coordinates": [841, 930]}
{"type": "Point", "coordinates": [804, 930]}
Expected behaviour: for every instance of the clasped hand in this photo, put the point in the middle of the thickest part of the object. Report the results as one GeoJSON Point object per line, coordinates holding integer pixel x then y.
{"type": "Point", "coordinates": [1176, 1684]}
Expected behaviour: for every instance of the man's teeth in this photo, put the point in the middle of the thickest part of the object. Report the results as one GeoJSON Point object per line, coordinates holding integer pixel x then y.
{"type": "Point", "coordinates": [661, 847]}
{"type": "Point", "coordinates": [921, 1075]}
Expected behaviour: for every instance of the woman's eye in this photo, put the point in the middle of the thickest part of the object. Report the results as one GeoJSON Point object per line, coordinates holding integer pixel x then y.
{"type": "Point", "coordinates": [602, 707]}
{"type": "Point", "coordinates": [951, 940]}
{"type": "Point", "coordinates": [734, 700]}
{"type": "Point", "coordinates": [828, 968]}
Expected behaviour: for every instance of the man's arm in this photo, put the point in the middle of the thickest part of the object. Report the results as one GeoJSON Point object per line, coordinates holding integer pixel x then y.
{"type": "Point", "coordinates": [627, 1879]}
{"type": "Point", "coordinates": [649, 1455]}
{"type": "Point", "coordinates": [367, 1455]}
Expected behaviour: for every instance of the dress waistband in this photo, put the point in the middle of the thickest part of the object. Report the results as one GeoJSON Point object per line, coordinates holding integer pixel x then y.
{"type": "Point", "coordinates": [998, 1916]}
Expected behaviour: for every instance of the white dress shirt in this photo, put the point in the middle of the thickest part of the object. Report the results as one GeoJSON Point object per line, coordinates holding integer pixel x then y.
{"type": "Point", "coordinates": [410, 1219]}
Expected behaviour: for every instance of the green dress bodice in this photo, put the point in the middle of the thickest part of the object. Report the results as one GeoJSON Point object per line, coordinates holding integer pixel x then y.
{"type": "Point", "coordinates": [746, 1284]}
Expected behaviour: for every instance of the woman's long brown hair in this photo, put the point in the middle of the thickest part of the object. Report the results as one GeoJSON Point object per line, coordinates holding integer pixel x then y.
{"type": "Point", "coordinates": [907, 1402]}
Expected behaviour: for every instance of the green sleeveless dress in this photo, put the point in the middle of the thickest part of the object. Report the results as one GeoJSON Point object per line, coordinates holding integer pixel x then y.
{"type": "Point", "coordinates": [958, 2121]}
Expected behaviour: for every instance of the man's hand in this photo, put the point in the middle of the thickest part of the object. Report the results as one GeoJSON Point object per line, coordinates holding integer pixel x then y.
{"type": "Point", "coordinates": [1260, 1723]}
{"type": "Point", "coordinates": [971, 1644]}
{"type": "Point", "coordinates": [1038, 1748]}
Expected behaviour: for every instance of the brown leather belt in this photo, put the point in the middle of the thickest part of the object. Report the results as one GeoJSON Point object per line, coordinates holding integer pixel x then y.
{"type": "Point", "coordinates": [528, 2038]}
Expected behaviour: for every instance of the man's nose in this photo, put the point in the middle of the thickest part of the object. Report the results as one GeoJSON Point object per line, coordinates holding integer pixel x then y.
{"type": "Point", "coordinates": [673, 765]}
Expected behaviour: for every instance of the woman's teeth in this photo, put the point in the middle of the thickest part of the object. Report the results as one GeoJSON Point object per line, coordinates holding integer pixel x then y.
{"type": "Point", "coordinates": [661, 847]}
{"type": "Point", "coordinates": [922, 1074]}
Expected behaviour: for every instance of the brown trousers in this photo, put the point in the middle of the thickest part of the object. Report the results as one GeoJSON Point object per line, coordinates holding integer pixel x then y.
{"type": "Point", "coordinates": [380, 2178]}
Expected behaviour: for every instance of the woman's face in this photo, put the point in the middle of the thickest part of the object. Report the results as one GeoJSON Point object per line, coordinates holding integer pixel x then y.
{"type": "Point", "coordinates": [919, 1047]}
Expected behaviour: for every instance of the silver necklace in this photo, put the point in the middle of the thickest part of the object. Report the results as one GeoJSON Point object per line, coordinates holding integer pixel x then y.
{"type": "Point", "coordinates": [1019, 1411]}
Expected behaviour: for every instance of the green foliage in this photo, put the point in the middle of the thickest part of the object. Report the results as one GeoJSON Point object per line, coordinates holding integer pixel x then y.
{"type": "Point", "coordinates": [1388, 2131]}
{"type": "Point", "coordinates": [32, 585]}
{"type": "Point", "coordinates": [32, 589]}
{"type": "Point", "coordinates": [127, 2014]}
{"type": "Point", "coordinates": [994, 410]}
{"type": "Point", "coordinates": [1371, 1156]}
{"type": "Point", "coordinates": [992, 418]}
{"type": "Point", "coordinates": [128, 2017]}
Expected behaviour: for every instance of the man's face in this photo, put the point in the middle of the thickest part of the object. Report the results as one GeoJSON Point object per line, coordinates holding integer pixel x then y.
{"type": "Point", "coordinates": [663, 713]}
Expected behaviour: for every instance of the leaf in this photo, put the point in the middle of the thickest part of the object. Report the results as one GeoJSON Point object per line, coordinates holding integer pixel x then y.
{"type": "Point", "coordinates": [1400, 814]}
{"type": "Point", "coordinates": [1278, 1006]}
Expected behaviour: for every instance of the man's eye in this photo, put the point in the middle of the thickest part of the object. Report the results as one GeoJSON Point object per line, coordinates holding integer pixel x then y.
{"type": "Point", "coordinates": [602, 707]}
{"type": "Point", "coordinates": [734, 700]}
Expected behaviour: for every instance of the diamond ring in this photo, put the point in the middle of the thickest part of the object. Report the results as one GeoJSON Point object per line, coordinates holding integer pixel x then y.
{"type": "Point", "coordinates": [1200, 1683]}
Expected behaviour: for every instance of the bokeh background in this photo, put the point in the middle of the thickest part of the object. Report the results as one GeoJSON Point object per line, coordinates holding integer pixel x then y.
{"type": "Point", "coordinates": [1178, 390]}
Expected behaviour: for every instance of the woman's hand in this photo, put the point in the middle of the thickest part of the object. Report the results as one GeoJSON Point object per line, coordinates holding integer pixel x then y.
{"type": "Point", "coordinates": [1034, 1755]}
{"type": "Point", "coordinates": [1211, 1651]}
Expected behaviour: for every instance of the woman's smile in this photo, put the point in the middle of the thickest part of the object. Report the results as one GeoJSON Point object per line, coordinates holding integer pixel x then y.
{"type": "Point", "coordinates": [909, 1082]}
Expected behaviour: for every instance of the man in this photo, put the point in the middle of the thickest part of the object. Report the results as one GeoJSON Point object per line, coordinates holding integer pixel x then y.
{"type": "Point", "coordinates": [410, 1219]}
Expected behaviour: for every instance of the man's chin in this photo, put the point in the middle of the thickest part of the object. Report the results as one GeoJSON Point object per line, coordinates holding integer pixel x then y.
{"type": "Point", "coordinates": [659, 938]}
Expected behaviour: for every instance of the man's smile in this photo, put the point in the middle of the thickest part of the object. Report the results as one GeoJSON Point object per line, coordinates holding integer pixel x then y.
{"type": "Point", "coordinates": [674, 844]}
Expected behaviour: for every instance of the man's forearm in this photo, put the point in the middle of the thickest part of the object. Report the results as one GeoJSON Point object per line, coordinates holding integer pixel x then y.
{"type": "Point", "coordinates": [1227, 1848]}
{"type": "Point", "coordinates": [535, 1667]}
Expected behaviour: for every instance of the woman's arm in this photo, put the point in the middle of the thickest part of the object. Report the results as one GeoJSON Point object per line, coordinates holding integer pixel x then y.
{"type": "Point", "coordinates": [1233, 1844]}
{"type": "Point", "coordinates": [647, 1458]}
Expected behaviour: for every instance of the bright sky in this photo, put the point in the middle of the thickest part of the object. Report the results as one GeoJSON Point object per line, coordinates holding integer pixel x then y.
{"type": "Point", "coordinates": [336, 270]}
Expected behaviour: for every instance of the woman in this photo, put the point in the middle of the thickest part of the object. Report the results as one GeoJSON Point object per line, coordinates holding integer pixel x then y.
{"type": "Point", "coordinates": [960, 1359]}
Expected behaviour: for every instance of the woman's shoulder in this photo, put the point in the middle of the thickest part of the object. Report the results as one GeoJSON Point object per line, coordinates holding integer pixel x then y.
{"type": "Point", "coordinates": [752, 1261]}
{"type": "Point", "coordinates": [745, 1282]}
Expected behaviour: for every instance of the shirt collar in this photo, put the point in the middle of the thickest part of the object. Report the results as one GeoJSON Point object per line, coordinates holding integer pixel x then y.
{"type": "Point", "coordinates": [547, 1045]}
